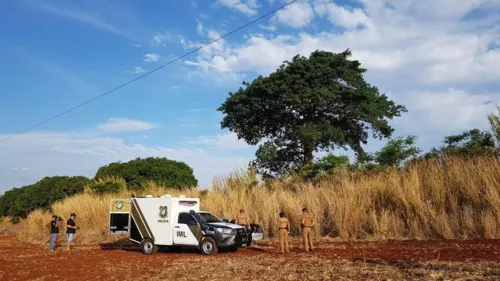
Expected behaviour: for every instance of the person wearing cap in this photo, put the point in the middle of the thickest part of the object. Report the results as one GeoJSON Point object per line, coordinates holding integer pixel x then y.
{"type": "Point", "coordinates": [54, 231]}
{"type": "Point", "coordinates": [71, 228]}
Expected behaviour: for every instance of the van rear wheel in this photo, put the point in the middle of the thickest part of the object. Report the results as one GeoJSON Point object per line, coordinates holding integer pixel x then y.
{"type": "Point", "coordinates": [208, 246]}
{"type": "Point", "coordinates": [148, 247]}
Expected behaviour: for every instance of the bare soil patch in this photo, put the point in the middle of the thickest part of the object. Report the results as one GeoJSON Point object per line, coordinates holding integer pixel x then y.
{"type": "Point", "coordinates": [396, 260]}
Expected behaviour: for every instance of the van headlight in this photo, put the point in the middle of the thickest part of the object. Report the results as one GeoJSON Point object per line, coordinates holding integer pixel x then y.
{"type": "Point", "coordinates": [226, 231]}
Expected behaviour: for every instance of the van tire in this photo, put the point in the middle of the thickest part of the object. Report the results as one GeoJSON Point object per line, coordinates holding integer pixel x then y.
{"type": "Point", "coordinates": [208, 246]}
{"type": "Point", "coordinates": [148, 247]}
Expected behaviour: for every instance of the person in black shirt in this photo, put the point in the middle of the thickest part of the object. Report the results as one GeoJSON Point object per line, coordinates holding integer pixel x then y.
{"type": "Point", "coordinates": [54, 231]}
{"type": "Point", "coordinates": [71, 229]}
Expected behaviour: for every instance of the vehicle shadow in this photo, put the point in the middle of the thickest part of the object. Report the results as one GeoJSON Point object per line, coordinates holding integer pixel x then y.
{"type": "Point", "coordinates": [255, 249]}
{"type": "Point", "coordinates": [119, 246]}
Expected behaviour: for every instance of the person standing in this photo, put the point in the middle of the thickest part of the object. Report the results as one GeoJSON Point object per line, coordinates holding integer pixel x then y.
{"type": "Point", "coordinates": [307, 224]}
{"type": "Point", "coordinates": [70, 228]}
{"type": "Point", "coordinates": [54, 231]}
{"type": "Point", "coordinates": [242, 219]}
{"type": "Point", "coordinates": [284, 230]}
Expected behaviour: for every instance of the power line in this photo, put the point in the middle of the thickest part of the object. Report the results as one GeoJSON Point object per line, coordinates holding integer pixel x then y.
{"type": "Point", "coordinates": [147, 73]}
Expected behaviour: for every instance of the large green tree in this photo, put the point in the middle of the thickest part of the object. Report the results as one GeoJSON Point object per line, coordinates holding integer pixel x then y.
{"type": "Point", "coordinates": [307, 105]}
{"type": "Point", "coordinates": [166, 172]}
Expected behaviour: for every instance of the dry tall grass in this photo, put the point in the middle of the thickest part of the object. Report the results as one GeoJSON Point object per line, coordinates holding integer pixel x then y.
{"type": "Point", "coordinates": [460, 200]}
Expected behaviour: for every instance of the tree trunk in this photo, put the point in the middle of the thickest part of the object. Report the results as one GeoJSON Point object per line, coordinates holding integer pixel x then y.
{"type": "Point", "coordinates": [308, 155]}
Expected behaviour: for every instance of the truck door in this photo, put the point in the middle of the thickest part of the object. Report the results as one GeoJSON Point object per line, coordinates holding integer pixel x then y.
{"type": "Point", "coordinates": [186, 230]}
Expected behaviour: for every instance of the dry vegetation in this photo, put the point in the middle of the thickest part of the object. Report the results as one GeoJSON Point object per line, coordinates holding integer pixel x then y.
{"type": "Point", "coordinates": [460, 200]}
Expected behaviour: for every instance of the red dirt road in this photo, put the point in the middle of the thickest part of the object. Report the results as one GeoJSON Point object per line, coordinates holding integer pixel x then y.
{"type": "Point", "coordinates": [20, 261]}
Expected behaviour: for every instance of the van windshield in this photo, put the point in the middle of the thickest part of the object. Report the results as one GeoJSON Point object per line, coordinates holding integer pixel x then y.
{"type": "Point", "coordinates": [207, 217]}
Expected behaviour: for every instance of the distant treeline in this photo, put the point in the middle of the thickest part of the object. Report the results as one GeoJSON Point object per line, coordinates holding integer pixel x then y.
{"type": "Point", "coordinates": [19, 202]}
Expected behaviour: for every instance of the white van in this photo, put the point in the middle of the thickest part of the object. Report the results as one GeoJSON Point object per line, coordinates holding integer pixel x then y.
{"type": "Point", "coordinates": [174, 222]}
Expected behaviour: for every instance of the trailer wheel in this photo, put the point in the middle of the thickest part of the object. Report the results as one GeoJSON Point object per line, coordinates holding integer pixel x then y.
{"type": "Point", "coordinates": [148, 247]}
{"type": "Point", "coordinates": [208, 246]}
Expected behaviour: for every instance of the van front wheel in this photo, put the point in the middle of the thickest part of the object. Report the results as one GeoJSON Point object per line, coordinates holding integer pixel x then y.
{"type": "Point", "coordinates": [208, 246]}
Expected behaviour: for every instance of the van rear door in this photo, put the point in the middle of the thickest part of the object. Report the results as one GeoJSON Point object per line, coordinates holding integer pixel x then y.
{"type": "Point", "coordinates": [119, 216]}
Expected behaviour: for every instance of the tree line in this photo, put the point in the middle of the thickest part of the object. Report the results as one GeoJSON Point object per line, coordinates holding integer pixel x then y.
{"type": "Point", "coordinates": [400, 151]}
{"type": "Point", "coordinates": [19, 202]}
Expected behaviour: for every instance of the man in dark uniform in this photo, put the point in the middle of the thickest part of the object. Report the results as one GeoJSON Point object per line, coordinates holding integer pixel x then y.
{"type": "Point", "coordinates": [71, 229]}
{"type": "Point", "coordinates": [54, 231]}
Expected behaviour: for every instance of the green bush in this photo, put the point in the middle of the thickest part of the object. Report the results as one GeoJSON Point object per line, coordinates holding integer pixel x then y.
{"type": "Point", "coordinates": [108, 187]}
{"type": "Point", "coordinates": [136, 173]}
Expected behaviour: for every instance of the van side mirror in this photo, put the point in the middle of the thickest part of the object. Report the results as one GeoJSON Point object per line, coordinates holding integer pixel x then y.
{"type": "Point", "coordinates": [225, 220]}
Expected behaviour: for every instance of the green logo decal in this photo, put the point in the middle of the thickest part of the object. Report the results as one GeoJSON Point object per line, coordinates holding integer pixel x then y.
{"type": "Point", "coordinates": [163, 211]}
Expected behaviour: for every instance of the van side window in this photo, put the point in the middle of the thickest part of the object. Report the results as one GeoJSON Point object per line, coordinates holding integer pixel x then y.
{"type": "Point", "coordinates": [185, 218]}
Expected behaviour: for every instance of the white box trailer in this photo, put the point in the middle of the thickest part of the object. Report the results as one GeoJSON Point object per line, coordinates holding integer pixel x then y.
{"type": "Point", "coordinates": [169, 221]}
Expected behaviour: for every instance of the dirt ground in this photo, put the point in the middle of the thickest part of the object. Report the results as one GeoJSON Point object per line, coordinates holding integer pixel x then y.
{"type": "Point", "coordinates": [389, 260]}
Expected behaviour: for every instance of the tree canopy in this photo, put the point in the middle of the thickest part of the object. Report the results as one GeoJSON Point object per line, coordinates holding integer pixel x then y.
{"type": "Point", "coordinates": [18, 202]}
{"type": "Point", "coordinates": [397, 151]}
{"type": "Point", "coordinates": [325, 165]}
{"type": "Point", "coordinates": [166, 172]}
{"type": "Point", "coordinates": [472, 142]}
{"type": "Point", "coordinates": [307, 105]}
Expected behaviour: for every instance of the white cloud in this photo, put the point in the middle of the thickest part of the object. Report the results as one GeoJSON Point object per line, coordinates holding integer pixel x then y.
{"type": "Point", "coordinates": [163, 38]}
{"type": "Point", "coordinates": [226, 141]}
{"type": "Point", "coordinates": [151, 57]}
{"type": "Point", "coordinates": [438, 114]}
{"type": "Point", "coordinates": [382, 38]}
{"type": "Point", "coordinates": [296, 15]}
{"type": "Point", "coordinates": [248, 7]}
{"type": "Point", "coordinates": [138, 70]}
{"type": "Point", "coordinates": [338, 15]}
{"type": "Point", "coordinates": [189, 44]}
{"type": "Point", "coordinates": [78, 15]}
{"type": "Point", "coordinates": [268, 27]}
{"type": "Point", "coordinates": [199, 27]}
{"type": "Point", "coordinates": [50, 154]}
{"type": "Point", "coordinates": [116, 125]}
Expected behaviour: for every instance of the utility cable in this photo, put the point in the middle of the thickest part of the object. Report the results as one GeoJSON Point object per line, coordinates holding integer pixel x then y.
{"type": "Point", "coordinates": [154, 70]}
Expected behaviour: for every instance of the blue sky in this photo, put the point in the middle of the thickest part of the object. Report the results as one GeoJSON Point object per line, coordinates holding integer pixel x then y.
{"type": "Point", "coordinates": [437, 58]}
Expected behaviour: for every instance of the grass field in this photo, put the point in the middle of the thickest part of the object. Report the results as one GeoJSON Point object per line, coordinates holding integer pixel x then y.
{"type": "Point", "coordinates": [460, 200]}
